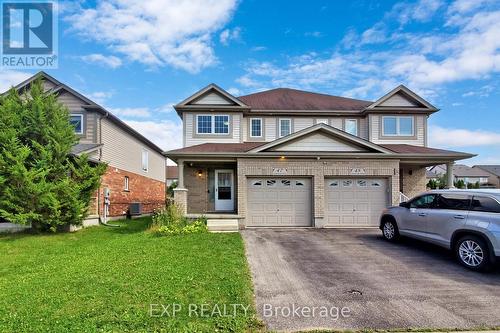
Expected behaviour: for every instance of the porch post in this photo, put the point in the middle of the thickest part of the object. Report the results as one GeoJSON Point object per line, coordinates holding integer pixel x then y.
{"type": "Point", "coordinates": [180, 192]}
{"type": "Point", "coordinates": [449, 175]}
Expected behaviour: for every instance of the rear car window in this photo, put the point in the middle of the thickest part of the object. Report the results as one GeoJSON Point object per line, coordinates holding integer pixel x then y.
{"type": "Point", "coordinates": [485, 204]}
{"type": "Point", "coordinates": [453, 201]}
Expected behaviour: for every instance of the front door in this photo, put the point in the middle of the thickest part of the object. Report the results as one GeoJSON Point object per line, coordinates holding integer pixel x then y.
{"type": "Point", "coordinates": [224, 190]}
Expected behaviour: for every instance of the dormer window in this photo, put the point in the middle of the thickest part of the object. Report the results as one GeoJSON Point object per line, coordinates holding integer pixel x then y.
{"type": "Point", "coordinates": [212, 124]}
{"type": "Point", "coordinates": [77, 121]}
{"type": "Point", "coordinates": [285, 127]}
{"type": "Point", "coordinates": [397, 126]}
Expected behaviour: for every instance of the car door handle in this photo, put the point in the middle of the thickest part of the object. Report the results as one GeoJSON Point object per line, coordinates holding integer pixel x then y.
{"type": "Point", "coordinates": [459, 217]}
{"type": "Point", "coordinates": [422, 214]}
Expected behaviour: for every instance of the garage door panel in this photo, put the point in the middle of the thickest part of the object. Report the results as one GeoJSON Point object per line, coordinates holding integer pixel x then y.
{"type": "Point", "coordinates": [286, 202]}
{"type": "Point", "coordinates": [354, 202]}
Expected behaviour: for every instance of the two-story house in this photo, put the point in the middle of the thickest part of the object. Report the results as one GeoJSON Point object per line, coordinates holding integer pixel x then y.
{"type": "Point", "coordinates": [136, 167]}
{"type": "Point", "coordinates": [286, 157]}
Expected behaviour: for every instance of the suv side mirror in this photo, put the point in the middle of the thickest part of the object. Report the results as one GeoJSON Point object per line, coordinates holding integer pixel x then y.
{"type": "Point", "coordinates": [405, 204]}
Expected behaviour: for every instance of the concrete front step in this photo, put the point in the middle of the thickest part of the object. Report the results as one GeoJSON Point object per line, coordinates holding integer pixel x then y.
{"type": "Point", "coordinates": [222, 225]}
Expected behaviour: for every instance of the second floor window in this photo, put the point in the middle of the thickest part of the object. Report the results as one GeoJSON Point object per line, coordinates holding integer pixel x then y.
{"type": "Point", "coordinates": [145, 160]}
{"type": "Point", "coordinates": [256, 127]}
{"type": "Point", "coordinates": [397, 126]}
{"type": "Point", "coordinates": [285, 127]}
{"type": "Point", "coordinates": [77, 121]}
{"type": "Point", "coordinates": [211, 124]}
{"type": "Point", "coordinates": [351, 126]}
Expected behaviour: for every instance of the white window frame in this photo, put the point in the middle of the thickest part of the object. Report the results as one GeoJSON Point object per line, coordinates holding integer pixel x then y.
{"type": "Point", "coordinates": [397, 126]}
{"type": "Point", "coordinates": [145, 166]}
{"type": "Point", "coordinates": [357, 126]}
{"type": "Point", "coordinates": [325, 121]}
{"type": "Point", "coordinates": [279, 126]}
{"type": "Point", "coordinates": [261, 129]}
{"type": "Point", "coordinates": [81, 121]}
{"type": "Point", "coordinates": [126, 183]}
{"type": "Point", "coordinates": [212, 124]}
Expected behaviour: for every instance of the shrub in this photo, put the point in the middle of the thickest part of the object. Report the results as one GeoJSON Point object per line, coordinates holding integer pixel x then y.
{"type": "Point", "coordinates": [170, 221]}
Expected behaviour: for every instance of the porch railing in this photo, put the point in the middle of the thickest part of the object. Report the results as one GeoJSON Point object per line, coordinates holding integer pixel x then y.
{"type": "Point", "coordinates": [402, 197]}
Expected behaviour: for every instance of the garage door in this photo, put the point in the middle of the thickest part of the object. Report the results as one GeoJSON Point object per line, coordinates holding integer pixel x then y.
{"type": "Point", "coordinates": [279, 202]}
{"type": "Point", "coordinates": [354, 202]}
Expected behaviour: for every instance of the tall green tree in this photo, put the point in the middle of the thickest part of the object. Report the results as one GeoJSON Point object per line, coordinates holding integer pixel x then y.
{"type": "Point", "coordinates": [41, 183]}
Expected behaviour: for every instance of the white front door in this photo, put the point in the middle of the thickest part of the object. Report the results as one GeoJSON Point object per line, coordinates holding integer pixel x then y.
{"type": "Point", "coordinates": [224, 190]}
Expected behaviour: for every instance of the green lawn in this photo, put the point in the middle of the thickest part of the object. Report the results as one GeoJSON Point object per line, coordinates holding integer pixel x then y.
{"type": "Point", "coordinates": [105, 279]}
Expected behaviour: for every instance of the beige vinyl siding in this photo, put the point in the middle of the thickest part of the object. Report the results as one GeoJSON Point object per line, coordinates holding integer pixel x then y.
{"type": "Point", "coordinates": [398, 100]}
{"type": "Point", "coordinates": [121, 150]}
{"type": "Point", "coordinates": [75, 105]}
{"type": "Point", "coordinates": [48, 85]}
{"type": "Point", "coordinates": [301, 123]}
{"type": "Point", "coordinates": [191, 138]}
{"type": "Point", "coordinates": [318, 142]}
{"type": "Point", "coordinates": [212, 99]}
{"type": "Point", "coordinates": [270, 131]}
{"type": "Point", "coordinates": [363, 128]}
{"type": "Point", "coordinates": [245, 124]}
{"type": "Point", "coordinates": [337, 122]}
{"type": "Point", "coordinates": [376, 131]}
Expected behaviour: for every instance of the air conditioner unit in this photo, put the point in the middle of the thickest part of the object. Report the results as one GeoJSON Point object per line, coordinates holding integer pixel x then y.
{"type": "Point", "coordinates": [135, 208]}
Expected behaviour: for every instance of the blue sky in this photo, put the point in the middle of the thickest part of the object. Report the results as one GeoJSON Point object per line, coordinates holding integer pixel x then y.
{"type": "Point", "coordinates": [137, 58]}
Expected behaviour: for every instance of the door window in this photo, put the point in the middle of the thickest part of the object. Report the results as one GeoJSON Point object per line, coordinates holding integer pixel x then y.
{"type": "Point", "coordinates": [425, 201]}
{"type": "Point", "coordinates": [485, 204]}
{"type": "Point", "coordinates": [224, 186]}
{"type": "Point", "coordinates": [453, 201]}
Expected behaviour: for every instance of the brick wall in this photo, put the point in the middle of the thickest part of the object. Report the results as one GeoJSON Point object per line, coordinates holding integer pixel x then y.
{"type": "Point", "coordinates": [413, 180]}
{"type": "Point", "coordinates": [318, 170]}
{"type": "Point", "coordinates": [149, 192]}
{"type": "Point", "coordinates": [197, 196]}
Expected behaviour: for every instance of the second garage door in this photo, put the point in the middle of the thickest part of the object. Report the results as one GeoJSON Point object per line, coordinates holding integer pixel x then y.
{"type": "Point", "coordinates": [354, 202]}
{"type": "Point", "coordinates": [279, 202]}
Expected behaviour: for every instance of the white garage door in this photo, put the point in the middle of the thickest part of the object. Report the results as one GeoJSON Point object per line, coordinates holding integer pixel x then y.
{"type": "Point", "coordinates": [354, 202]}
{"type": "Point", "coordinates": [279, 202]}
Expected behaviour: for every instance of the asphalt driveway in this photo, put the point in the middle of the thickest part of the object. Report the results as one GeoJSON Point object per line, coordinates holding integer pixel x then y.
{"type": "Point", "coordinates": [305, 278]}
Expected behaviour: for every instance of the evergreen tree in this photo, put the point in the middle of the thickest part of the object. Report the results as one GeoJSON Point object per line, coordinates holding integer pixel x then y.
{"type": "Point", "coordinates": [40, 181]}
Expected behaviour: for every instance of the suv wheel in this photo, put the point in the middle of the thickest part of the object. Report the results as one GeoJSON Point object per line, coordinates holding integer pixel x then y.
{"type": "Point", "coordinates": [473, 253]}
{"type": "Point", "coordinates": [390, 230]}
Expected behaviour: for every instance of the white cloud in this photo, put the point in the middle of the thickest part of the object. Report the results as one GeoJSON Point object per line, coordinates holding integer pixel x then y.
{"type": "Point", "coordinates": [176, 33]}
{"type": "Point", "coordinates": [106, 61]}
{"type": "Point", "coordinates": [484, 91]}
{"type": "Point", "coordinates": [166, 108]}
{"type": "Point", "coordinates": [131, 112]}
{"type": "Point", "coordinates": [229, 35]}
{"type": "Point", "coordinates": [456, 137]}
{"type": "Point", "coordinates": [10, 78]}
{"type": "Point", "coordinates": [421, 60]}
{"type": "Point", "coordinates": [100, 97]}
{"type": "Point", "coordinates": [258, 48]}
{"type": "Point", "coordinates": [315, 34]}
{"type": "Point", "coordinates": [166, 134]}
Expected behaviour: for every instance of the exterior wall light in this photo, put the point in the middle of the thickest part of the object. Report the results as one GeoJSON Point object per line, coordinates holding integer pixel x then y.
{"type": "Point", "coordinates": [200, 173]}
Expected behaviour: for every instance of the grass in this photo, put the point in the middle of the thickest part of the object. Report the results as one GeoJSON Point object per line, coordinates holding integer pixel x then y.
{"type": "Point", "coordinates": [105, 279]}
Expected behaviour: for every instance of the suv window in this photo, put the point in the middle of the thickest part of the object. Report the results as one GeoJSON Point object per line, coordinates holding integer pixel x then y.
{"type": "Point", "coordinates": [453, 201]}
{"type": "Point", "coordinates": [485, 204]}
{"type": "Point", "coordinates": [425, 201]}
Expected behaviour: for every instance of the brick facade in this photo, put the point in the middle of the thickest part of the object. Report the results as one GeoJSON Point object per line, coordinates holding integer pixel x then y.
{"type": "Point", "coordinates": [149, 192]}
{"type": "Point", "coordinates": [413, 180]}
{"type": "Point", "coordinates": [317, 170]}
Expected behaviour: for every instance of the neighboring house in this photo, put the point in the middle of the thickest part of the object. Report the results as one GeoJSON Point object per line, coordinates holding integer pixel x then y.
{"type": "Point", "coordinates": [136, 166]}
{"type": "Point", "coordinates": [460, 172]}
{"type": "Point", "coordinates": [286, 157]}
{"type": "Point", "coordinates": [493, 172]}
{"type": "Point", "coordinates": [172, 174]}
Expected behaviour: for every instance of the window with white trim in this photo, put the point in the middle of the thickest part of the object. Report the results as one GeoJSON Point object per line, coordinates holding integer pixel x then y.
{"type": "Point", "coordinates": [322, 121]}
{"type": "Point", "coordinates": [145, 160]}
{"type": "Point", "coordinates": [351, 126]}
{"type": "Point", "coordinates": [212, 124]}
{"type": "Point", "coordinates": [77, 121]}
{"type": "Point", "coordinates": [397, 126]}
{"type": "Point", "coordinates": [256, 127]}
{"type": "Point", "coordinates": [285, 127]}
{"type": "Point", "coordinates": [126, 183]}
